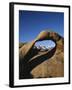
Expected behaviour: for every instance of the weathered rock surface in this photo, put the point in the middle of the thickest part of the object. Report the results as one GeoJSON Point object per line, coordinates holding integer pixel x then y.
{"type": "Point", "coordinates": [37, 64]}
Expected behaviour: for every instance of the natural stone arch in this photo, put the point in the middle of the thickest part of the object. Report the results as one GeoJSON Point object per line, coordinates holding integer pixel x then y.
{"type": "Point", "coordinates": [26, 50]}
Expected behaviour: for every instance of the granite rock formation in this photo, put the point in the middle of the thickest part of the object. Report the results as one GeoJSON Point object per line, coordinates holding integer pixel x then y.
{"type": "Point", "coordinates": [33, 63]}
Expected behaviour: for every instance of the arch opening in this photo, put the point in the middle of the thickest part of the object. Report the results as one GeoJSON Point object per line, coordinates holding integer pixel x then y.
{"type": "Point", "coordinates": [44, 45]}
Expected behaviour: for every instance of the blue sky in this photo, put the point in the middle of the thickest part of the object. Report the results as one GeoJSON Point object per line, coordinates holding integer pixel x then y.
{"type": "Point", "coordinates": [31, 23]}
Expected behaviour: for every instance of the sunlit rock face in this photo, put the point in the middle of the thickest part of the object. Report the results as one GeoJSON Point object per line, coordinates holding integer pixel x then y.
{"type": "Point", "coordinates": [42, 61]}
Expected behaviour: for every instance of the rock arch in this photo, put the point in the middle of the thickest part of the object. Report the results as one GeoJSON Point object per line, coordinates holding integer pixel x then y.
{"type": "Point", "coordinates": [29, 59]}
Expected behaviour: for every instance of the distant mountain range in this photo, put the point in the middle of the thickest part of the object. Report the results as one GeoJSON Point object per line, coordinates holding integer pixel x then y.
{"type": "Point", "coordinates": [39, 48]}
